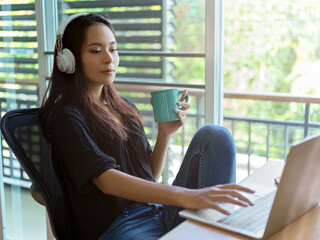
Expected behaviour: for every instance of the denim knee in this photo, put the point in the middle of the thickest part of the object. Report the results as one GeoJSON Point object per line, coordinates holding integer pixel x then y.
{"type": "Point", "coordinates": [210, 133]}
{"type": "Point", "coordinates": [218, 152]}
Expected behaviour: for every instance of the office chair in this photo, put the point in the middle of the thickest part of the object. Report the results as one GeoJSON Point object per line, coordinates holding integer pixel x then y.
{"type": "Point", "coordinates": [22, 132]}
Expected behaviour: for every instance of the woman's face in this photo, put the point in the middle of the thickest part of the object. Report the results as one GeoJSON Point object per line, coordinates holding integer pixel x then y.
{"type": "Point", "coordinates": [99, 57]}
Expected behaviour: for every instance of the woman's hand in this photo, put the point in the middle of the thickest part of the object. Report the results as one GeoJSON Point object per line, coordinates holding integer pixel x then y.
{"type": "Point", "coordinates": [209, 197]}
{"type": "Point", "coordinates": [170, 127]}
{"type": "Point", "coordinates": [165, 130]}
{"type": "Point", "coordinates": [116, 183]}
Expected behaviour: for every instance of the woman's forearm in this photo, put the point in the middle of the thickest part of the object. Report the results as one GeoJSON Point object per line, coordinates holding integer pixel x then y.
{"type": "Point", "coordinates": [159, 154]}
{"type": "Point", "coordinates": [117, 183]}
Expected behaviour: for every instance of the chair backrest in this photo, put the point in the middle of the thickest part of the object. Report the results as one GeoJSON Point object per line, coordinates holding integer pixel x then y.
{"type": "Point", "coordinates": [21, 130]}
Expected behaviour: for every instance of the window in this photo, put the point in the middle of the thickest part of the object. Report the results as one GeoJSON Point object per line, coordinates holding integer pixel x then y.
{"type": "Point", "coordinates": [270, 76]}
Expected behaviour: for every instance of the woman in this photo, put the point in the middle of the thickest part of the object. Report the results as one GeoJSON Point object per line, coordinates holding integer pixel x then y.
{"type": "Point", "coordinates": [102, 154]}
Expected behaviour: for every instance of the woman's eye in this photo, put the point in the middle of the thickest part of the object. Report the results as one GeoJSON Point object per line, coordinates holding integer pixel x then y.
{"type": "Point", "coordinates": [114, 50]}
{"type": "Point", "coordinates": [95, 51]}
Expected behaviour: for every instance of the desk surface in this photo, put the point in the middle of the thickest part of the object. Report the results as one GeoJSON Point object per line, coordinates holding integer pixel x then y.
{"type": "Point", "coordinates": [305, 227]}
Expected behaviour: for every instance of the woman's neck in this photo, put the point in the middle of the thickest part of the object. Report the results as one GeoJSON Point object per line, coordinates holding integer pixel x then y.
{"type": "Point", "coordinates": [95, 92]}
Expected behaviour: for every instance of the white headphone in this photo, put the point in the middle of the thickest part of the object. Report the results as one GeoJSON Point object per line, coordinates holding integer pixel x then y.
{"type": "Point", "coordinates": [65, 58]}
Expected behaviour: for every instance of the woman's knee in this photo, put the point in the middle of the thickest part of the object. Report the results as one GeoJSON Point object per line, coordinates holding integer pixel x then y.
{"type": "Point", "coordinates": [210, 133]}
{"type": "Point", "coordinates": [219, 148]}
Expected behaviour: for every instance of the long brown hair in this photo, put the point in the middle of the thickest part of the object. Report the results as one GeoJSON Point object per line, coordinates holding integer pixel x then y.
{"type": "Point", "coordinates": [71, 89]}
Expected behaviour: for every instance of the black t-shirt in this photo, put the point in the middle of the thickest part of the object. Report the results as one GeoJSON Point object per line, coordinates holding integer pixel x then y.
{"type": "Point", "coordinates": [80, 157]}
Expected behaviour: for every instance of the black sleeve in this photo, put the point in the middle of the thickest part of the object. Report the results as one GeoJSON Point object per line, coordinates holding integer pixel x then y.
{"type": "Point", "coordinates": [72, 141]}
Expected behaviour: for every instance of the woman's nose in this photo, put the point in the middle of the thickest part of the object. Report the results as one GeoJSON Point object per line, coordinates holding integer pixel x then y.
{"type": "Point", "coordinates": [107, 57]}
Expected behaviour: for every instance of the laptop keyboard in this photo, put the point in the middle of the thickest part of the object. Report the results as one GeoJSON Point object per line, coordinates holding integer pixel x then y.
{"type": "Point", "coordinates": [252, 218]}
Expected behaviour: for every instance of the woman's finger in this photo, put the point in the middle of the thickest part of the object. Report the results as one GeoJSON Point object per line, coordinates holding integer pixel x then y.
{"type": "Point", "coordinates": [218, 208]}
{"type": "Point", "coordinates": [186, 105]}
{"type": "Point", "coordinates": [229, 199]}
{"type": "Point", "coordinates": [182, 118]}
{"type": "Point", "coordinates": [181, 114]}
{"type": "Point", "coordinates": [236, 187]}
{"type": "Point", "coordinates": [184, 95]}
{"type": "Point", "coordinates": [236, 194]}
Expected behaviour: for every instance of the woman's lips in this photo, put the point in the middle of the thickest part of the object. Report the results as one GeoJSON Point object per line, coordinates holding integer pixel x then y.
{"type": "Point", "coordinates": [109, 71]}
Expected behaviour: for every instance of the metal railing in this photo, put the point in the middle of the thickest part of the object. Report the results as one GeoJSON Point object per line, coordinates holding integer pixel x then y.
{"type": "Point", "coordinates": [290, 131]}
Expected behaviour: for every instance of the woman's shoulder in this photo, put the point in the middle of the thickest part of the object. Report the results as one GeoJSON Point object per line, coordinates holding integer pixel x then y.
{"type": "Point", "coordinates": [66, 112]}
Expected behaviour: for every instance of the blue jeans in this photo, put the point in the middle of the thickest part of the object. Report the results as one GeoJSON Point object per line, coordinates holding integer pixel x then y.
{"type": "Point", "coordinates": [210, 160]}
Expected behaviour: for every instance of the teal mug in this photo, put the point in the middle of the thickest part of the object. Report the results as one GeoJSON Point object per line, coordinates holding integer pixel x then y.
{"type": "Point", "coordinates": [164, 103]}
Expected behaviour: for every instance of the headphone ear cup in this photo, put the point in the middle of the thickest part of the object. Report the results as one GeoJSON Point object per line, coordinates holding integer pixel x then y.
{"type": "Point", "coordinates": [66, 61]}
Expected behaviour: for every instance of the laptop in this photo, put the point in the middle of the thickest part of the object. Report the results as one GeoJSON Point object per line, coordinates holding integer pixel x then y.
{"type": "Point", "coordinates": [275, 206]}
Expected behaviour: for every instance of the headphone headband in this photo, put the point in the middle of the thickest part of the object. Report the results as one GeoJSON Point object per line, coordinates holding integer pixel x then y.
{"type": "Point", "coordinates": [65, 23]}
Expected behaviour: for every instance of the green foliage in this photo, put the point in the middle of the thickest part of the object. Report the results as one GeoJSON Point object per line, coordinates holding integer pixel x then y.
{"type": "Point", "coordinates": [265, 43]}
{"type": "Point", "coordinates": [271, 47]}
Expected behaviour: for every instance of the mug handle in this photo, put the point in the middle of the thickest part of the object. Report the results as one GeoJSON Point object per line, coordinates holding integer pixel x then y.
{"type": "Point", "coordinates": [187, 98]}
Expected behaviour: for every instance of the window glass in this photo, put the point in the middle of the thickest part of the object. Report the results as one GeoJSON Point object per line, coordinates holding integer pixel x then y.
{"type": "Point", "coordinates": [271, 76]}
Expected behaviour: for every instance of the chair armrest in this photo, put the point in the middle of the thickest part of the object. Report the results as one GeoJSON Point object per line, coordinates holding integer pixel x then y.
{"type": "Point", "coordinates": [36, 195]}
